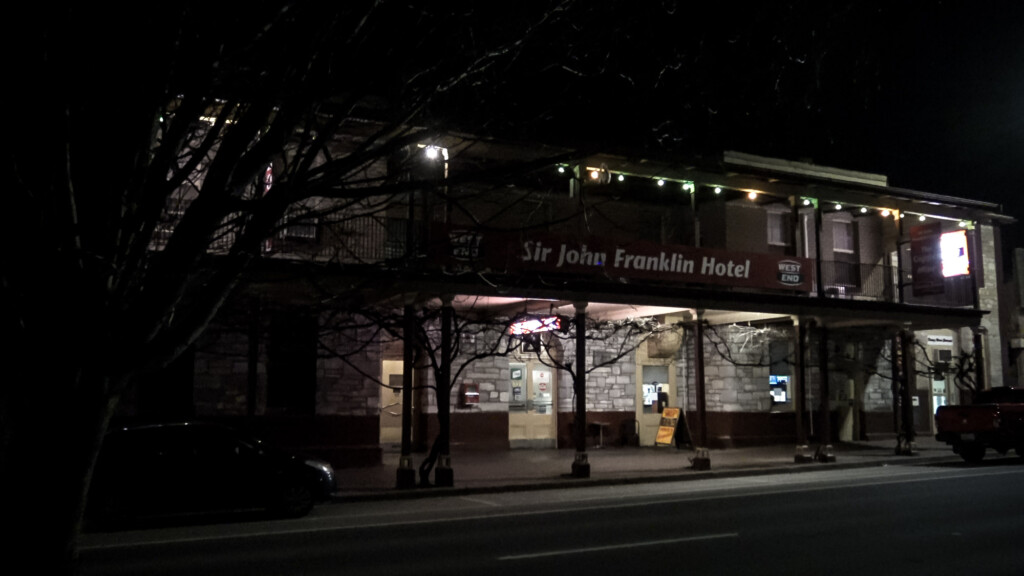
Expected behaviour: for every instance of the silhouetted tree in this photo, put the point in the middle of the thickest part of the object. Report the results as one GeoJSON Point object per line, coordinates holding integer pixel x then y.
{"type": "Point", "coordinates": [139, 195]}
{"type": "Point", "coordinates": [141, 137]}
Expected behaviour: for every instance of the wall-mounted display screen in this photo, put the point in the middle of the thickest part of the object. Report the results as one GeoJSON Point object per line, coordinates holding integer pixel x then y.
{"type": "Point", "coordinates": [778, 387]}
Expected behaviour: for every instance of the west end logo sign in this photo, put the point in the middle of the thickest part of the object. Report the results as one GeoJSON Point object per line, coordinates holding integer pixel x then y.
{"type": "Point", "coordinates": [542, 253]}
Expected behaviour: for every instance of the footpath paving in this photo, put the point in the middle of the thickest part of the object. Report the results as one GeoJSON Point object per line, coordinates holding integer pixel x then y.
{"type": "Point", "coordinates": [478, 471]}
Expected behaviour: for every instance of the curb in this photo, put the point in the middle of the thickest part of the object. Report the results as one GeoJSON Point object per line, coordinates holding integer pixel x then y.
{"type": "Point", "coordinates": [386, 494]}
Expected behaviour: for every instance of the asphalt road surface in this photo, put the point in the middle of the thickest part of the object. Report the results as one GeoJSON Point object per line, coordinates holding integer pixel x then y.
{"type": "Point", "coordinates": [907, 520]}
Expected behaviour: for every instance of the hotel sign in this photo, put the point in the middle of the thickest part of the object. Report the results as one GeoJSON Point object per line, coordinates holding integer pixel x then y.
{"type": "Point", "coordinates": [546, 253]}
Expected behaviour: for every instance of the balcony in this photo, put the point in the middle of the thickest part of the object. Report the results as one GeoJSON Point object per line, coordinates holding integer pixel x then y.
{"type": "Point", "coordinates": [878, 283]}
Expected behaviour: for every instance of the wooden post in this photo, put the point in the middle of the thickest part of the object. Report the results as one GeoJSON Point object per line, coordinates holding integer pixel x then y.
{"type": "Point", "coordinates": [443, 474]}
{"type": "Point", "coordinates": [824, 452]}
{"type": "Point", "coordinates": [581, 464]}
{"type": "Point", "coordinates": [702, 458]}
{"type": "Point", "coordinates": [800, 392]}
{"type": "Point", "coordinates": [406, 472]}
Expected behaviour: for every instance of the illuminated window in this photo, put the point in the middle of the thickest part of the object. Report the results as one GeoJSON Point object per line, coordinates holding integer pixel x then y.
{"type": "Point", "coordinates": [953, 246]}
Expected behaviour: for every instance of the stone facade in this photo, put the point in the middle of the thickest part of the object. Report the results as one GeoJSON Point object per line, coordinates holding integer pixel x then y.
{"type": "Point", "coordinates": [349, 386]}
{"type": "Point", "coordinates": [736, 369]}
{"type": "Point", "coordinates": [988, 299]}
{"type": "Point", "coordinates": [222, 368]}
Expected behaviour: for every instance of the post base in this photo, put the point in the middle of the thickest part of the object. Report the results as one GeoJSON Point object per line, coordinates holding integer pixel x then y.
{"type": "Point", "coordinates": [904, 447]}
{"type": "Point", "coordinates": [701, 459]}
{"type": "Point", "coordinates": [581, 466]}
{"type": "Point", "coordinates": [824, 454]}
{"type": "Point", "coordinates": [406, 477]}
{"type": "Point", "coordinates": [444, 475]}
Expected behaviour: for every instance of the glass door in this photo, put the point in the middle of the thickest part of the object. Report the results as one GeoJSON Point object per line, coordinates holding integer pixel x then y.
{"type": "Point", "coordinates": [532, 410]}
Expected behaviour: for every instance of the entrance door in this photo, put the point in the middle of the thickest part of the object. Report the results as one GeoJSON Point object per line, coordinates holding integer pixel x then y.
{"type": "Point", "coordinates": [391, 402]}
{"type": "Point", "coordinates": [655, 391]}
{"type": "Point", "coordinates": [532, 418]}
{"type": "Point", "coordinates": [941, 359]}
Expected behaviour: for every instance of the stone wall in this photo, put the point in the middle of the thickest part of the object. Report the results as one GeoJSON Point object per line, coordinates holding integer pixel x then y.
{"type": "Point", "coordinates": [736, 368]}
{"type": "Point", "coordinates": [221, 383]}
{"type": "Point", "coordinates": [491, 375]}
{"type": "Point", "coordinates": [222, 366]}
{"type": "Point", "coordinates": [348, 386]}
{"type": "Point", "coordinates": [609, 388]}
{"type": "Point", "coordinates": [988, 299]}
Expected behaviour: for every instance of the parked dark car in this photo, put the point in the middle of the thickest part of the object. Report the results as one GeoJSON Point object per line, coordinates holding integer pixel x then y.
{"type": "Point", "coordinates": [200, 468]}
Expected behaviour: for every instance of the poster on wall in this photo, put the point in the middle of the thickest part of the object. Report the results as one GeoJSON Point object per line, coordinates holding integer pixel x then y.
{"type": "Point", "coordinates": [542, 380]}
{"type": "Point", "coordinates": [518, 399]}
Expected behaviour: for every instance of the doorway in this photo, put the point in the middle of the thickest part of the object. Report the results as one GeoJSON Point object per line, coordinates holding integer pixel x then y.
{"type": "Point", "coordinates": [532, 414]}
{"type": "Point", "coordinates": [391, 402]}
{"type": "Point", "coordinates": [655, 393]}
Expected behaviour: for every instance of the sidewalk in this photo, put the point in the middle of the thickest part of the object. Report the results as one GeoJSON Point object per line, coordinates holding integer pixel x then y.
{"type": "Point", "coordinates": [477, 471]}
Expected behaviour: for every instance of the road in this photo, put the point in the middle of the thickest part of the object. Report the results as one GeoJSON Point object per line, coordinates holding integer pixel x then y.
{"type": "Point", "coordinates": [941, 519]}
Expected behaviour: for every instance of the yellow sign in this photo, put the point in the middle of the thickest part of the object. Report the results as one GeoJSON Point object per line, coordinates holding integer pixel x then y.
{"type": "Point", "coordinates": [667, 428]}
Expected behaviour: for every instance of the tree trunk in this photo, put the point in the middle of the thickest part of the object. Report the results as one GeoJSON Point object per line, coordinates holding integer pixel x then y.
{"type": "Point", "coordinates": [53, 427]}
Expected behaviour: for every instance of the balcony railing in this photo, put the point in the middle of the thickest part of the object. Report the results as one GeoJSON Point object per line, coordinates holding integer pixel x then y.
{"type": "Point", "coordinates": [880, 283]}
{"type": "Point", "coordinates": [854, 281]}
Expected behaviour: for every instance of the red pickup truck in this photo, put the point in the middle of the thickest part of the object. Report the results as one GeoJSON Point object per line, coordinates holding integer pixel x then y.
{"type": "Point", "coordinates": [994, 420]}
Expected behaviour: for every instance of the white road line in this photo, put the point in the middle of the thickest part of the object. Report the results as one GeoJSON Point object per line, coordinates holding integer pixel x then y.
{"type": "Point", "coordinates": [481, 501]}
{"type": "Point", "coordinates": [617, 546]}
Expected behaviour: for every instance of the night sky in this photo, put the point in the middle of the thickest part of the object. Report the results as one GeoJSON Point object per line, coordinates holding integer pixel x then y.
{"type": "Point", "coordinates": [950, 118]}
{"type": "Point", "coordinates": [927, 92]}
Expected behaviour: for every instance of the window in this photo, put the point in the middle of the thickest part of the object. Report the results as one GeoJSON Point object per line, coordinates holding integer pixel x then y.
{"type": "Point", "coordinates": [778, 229]}
{"type": "Point", "coordinates": [842, 236]}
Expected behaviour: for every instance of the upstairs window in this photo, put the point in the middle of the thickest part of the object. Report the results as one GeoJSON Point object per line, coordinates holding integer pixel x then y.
{"type": "Point", "coordinates": [778, 229]}
{"type": "Point", "coordinates": [842, 237]}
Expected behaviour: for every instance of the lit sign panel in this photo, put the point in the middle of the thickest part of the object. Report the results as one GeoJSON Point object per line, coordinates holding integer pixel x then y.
{"type": "Point", "coordinates": [534, 324]}
{"type": "Point", "coordinates": [790, 273]}
{"type": "Point", "coordinates": [543, 253]}
{"type": "Point", "coordinates": [953, 246]}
